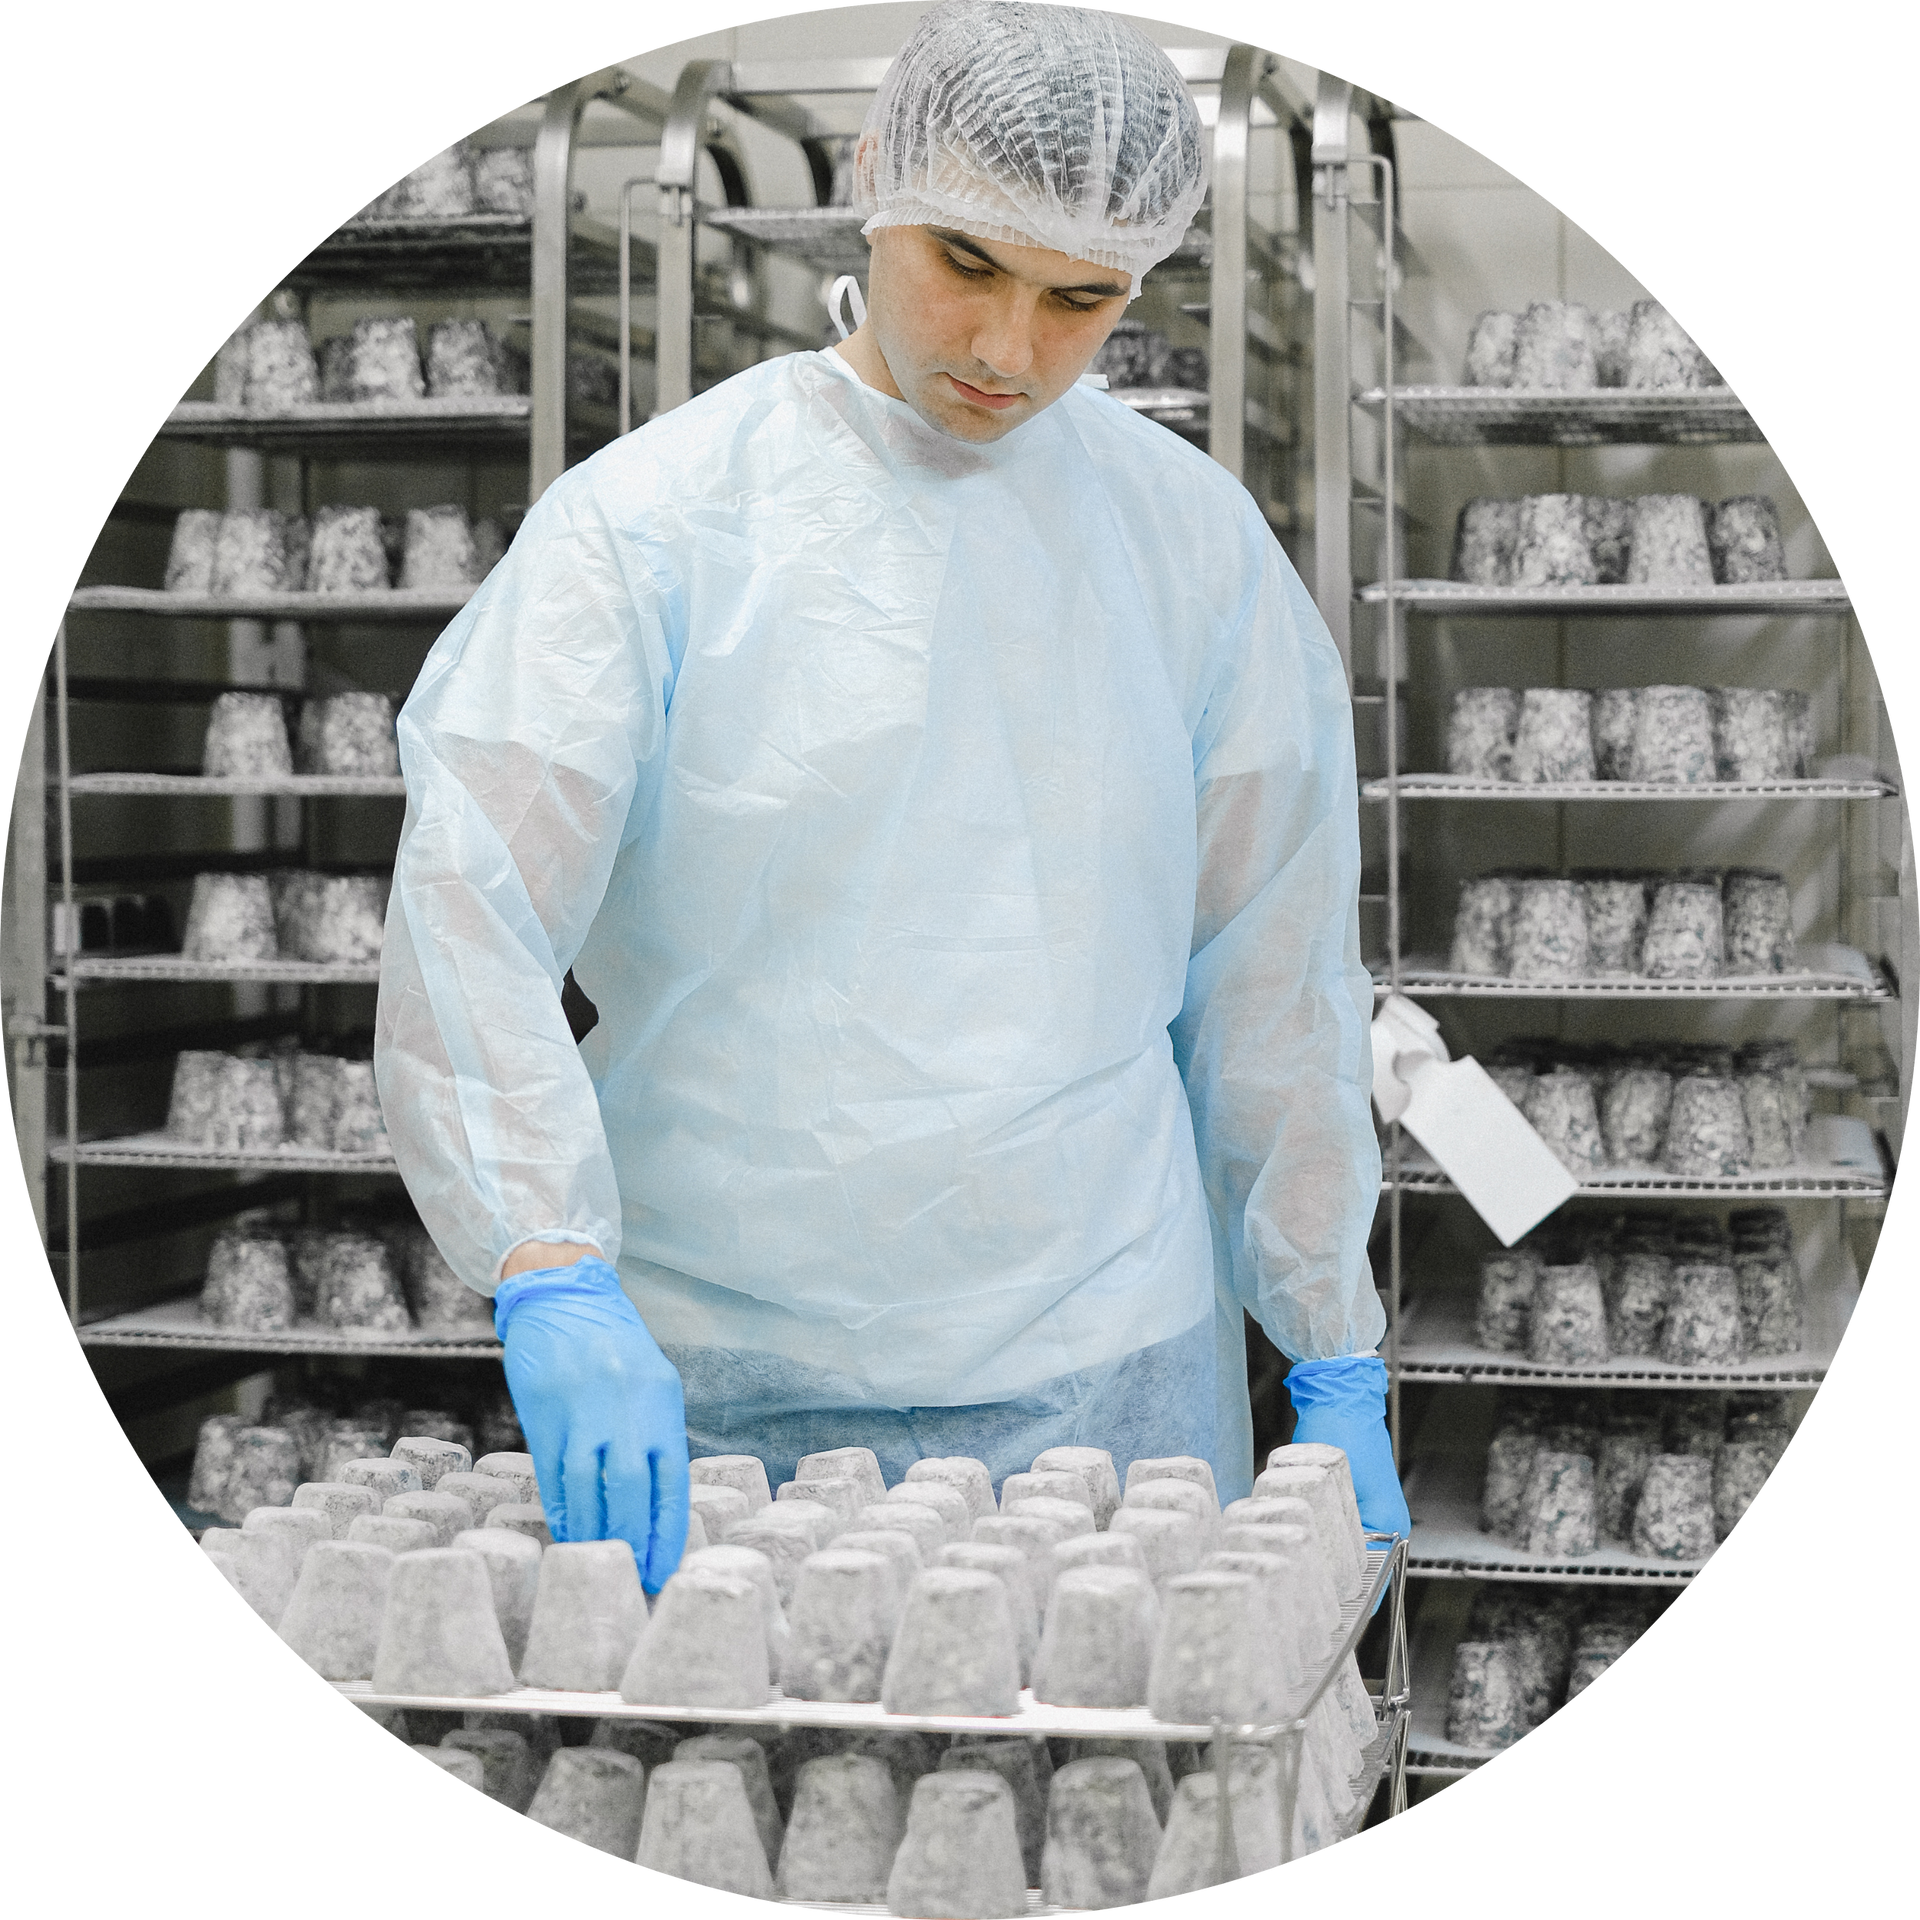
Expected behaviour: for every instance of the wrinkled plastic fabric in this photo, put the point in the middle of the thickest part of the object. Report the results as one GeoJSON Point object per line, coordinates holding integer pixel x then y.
{"type": "Point", "coordinates": [867, 781]}
{"type": "Point", "coordinates": [1038, 125]}
{"type": "Point", "coordinates": [601, 1409]}
{"type": "Point", "coordinates": [1342, 1402]}
{"type": "Point", "coordinates": [1151, 1405]}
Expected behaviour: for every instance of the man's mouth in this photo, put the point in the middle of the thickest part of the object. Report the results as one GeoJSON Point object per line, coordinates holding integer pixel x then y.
{"type": "Point", "coordinates": [980, 398]}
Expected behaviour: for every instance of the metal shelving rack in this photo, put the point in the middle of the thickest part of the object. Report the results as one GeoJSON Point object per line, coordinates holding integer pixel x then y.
{"type": "Point", "coordinates": [1364, 416]}
{"type": "Point", "coordinates": [552, 257]}
{"type": "Point", "coordinates": [1231, 273]}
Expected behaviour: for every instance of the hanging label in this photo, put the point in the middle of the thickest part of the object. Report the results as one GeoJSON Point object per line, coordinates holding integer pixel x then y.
{"type": "Point", "coordinates": [1479, 1139]}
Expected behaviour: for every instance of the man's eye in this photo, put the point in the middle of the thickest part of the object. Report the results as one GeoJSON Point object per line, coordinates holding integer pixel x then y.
{"type": "Point", "coordinates": [972, 273]}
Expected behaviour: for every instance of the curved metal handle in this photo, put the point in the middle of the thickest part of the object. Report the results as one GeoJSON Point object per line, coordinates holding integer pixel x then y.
{"type": "Point", "coordinates": [1227, 348]}
{"type": "Point", "coordinates": [553, 149]}
{"type": "Point", "coordinates": [699, 81]}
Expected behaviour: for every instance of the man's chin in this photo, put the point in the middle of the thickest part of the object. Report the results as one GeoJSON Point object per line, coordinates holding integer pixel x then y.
{"type": "Point", "coordinates": [960, 420]}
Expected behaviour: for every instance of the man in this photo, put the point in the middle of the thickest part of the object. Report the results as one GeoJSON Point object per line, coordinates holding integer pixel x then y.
{"type": "Point", "coordinates": [944, 789]}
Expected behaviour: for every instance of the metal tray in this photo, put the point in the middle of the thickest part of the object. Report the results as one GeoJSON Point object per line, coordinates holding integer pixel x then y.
{"type": "Point", "coordinates": [1033, 1717]}
{"type": "Point", "coordinates": [1456, 786]}
{"type": "Point", "coordinates": [200, 786]}
{"type": "Point", "coordinates": [159, 1150]}
{"type": "Point", "coordinates": [494, 422]}
{"type": "Point", "coordinates": [173, 966]}
{"type": "Point", "coordinates": [176, 1324]}
{"type": "Point", "coordinates": [1531, 417]}
{"type": "Point", "coordinates": [1829, 973]}
{"type": "Point", "coordinates": [1759, 596]}
{"type": "Point", "coordinates": [1833, 1171]}
{"type": "Point", "coordinates": [397, 604]}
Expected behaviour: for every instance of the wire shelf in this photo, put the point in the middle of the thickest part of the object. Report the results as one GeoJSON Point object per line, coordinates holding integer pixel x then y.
{"type": "Point", "coordinates": [201, 786]}
{"type": "Point", "coordinates": [158, 1150]}
{"type": "Point", "coordinates": [367, 426]}
{"type": "Point", "coordinates": [493, 250]}
{"type": "Point", "coordinates": [829, 238]}
{"type": "Point", "coordinates": [172, 966]}
{"type": "Point", "coordinates": [1171, 406]}
{"type": "Point", "coordinates": [1756, 596]}
{"type": "Point", "coordinates": [1453, 786]}
{"type": "Point", "coordinates": [1836, 973]}
{"type": "Point", "coordinates": [1375, 1763]}
{"type": "Point", "coordinates": [398, 604]}
{"type": "Point", "coordinates": [826, 238]}
{"type": "Point", "coordinates": [177, 1325]}
{"type": "Point", "coordinates": [1836, 1169]}
{"type": "Point", "coordinates": [1437, 1344]}
{"type": "Point", "coordinates": [1449, 1545]}
{"type": "Point", "coordinates": [1527, 417]}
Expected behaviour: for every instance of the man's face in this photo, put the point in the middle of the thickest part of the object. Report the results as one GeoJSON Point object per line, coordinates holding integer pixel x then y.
{"type": "Point", "coordinates": [978, 336]}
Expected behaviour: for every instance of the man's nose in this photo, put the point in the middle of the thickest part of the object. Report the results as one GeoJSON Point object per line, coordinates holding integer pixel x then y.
{"type": "Point", "coordinates": [1003, 342]}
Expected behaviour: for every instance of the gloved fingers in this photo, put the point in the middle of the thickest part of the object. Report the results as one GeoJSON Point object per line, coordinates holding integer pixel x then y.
{"type": "Point", "coordinates": [546, 1440]}
{"type": "Point", "coordinates": [671, 1504]}
{"type": "Point", "coordinates": [1369, 1450]}
{"type": "Point", "coordinates": [627, 1476]}
{"type": "Point", "coordinates": [580, 1479]}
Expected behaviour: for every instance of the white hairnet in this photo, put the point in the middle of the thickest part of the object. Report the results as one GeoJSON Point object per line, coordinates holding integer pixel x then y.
{"type": "Point", "coordinates": [1038, 125]}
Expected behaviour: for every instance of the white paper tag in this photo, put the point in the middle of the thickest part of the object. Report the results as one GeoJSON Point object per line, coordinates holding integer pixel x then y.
{"type": "Point", "coordinates": [1479, 1139]}
{"type": "Point", "coordinates": [1840, 1140]}
{"type": "Point", "coordinates": [1484, 1145]}
{"type": "Point", "coordinates": [1403, 1033]}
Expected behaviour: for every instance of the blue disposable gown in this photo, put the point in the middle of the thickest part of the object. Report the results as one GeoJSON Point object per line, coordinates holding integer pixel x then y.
{"type": "Point", "coordinates": [960, 845]}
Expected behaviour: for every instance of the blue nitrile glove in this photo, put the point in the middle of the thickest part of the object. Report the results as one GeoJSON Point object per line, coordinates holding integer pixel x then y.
{"type": "Point", "coordinates": [1343, 1403]}
{"type": "Point", "coordinates": [601, 1407]}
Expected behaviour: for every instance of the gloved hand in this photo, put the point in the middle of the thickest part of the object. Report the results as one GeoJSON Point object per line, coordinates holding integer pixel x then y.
{"type": "Point", "coordinates": [602, 1411]}
{"type": "Point", "coordinates": [1343, 1403]}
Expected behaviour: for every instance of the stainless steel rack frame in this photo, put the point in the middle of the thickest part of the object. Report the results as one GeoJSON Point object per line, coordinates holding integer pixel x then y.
{"type": "Point", "coordinates": [1358, 264]}
{"type": "Point", "coordinates": [1510, 417]}
{"type": "Point", "coordinates": [555, 253]}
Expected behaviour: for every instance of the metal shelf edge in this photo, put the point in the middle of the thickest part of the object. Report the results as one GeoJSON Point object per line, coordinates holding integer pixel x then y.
{"type": "Point", "coordinates": [193, 786]}
{"type": "Point", "coordinates": [145, 1151]}
{"type": "Point", "coordinates": [1438, 787]}
{"type": "Point", "coordinates": [1783, 596]}
{"type": "Point", "coordinates": [399, 604]}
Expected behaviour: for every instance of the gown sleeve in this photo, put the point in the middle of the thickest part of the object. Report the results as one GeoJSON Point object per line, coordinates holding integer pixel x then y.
{"type": "Point", "coordinates": [1272, 1038]}
{"type": "Point", "coordinates": [536, 719]}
